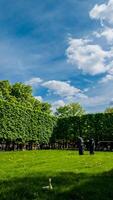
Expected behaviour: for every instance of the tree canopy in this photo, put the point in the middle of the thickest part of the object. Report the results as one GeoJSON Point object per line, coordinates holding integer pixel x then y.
{"type": "Point", "coordinates": [109, 110]}
{"type": "Point", "coordinates": [21, 94]}
{"type": "Point", "coordinates": [72, 109]}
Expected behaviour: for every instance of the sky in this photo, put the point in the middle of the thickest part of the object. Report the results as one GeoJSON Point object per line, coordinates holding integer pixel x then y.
{"type": "Point", "coordinates": [63, 49]}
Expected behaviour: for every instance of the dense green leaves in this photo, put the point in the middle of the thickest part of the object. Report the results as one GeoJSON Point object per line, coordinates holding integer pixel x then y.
{"type": "Point", "coordinates": [5, 90]}
{"type": "Point", "coordinates": [73, 109]}
{"type": "Point", "coordinates": [99, 126]}
{"type": "Point", "coordinates": [24, 119]}
{"type": "Point", "coordinates": [109, 110]}
{"type": "Point", "coordinates": [23, 125]}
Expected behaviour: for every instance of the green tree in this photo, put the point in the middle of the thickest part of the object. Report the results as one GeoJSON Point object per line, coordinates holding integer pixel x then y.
{"type": "Point", "coordinates": [41, 106]}
{"type": "Point", "coordinates": [109, 110]}
{"type": "Point", "coordinates": [21, 91]}
{"type": "Point", "coordinates": [5, 89]}
{"type": "Point", "coordinates": [73, 109]}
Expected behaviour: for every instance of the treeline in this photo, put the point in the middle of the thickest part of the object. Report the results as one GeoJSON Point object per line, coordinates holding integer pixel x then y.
{"type": "Point", "coordinates": [22, 128]}
{"type": "Point", "coordinates": [27, 123]}
{"type": "Point", "coordinates": [98, 126]}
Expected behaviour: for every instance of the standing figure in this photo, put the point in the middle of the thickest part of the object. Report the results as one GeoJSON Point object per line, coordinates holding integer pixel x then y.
{"type": "Point", "coordinates": [81, 145]}
{"type": "Point", "coordinates": [91, 146]}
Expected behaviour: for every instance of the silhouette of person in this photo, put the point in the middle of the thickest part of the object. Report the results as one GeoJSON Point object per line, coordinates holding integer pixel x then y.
{"type": "Point", "coordinates": [91, 146]}
{"type": "Point", "coordinates": [81, 145]}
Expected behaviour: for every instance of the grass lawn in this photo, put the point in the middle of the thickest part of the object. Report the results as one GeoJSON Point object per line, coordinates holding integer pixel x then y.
{"type": "Point", "coordinates": [74, 177]}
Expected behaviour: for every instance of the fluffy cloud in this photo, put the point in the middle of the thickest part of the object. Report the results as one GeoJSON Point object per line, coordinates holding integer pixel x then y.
{"type": "Point", "coordinates": [104, 12]}
{"type": "Point", "coordinates": [94, 101]}
{"type": "Point", "coordinates": [107, 33]}
{"type": "Point", "coordinates": [38, 98]}
{"type": "Point", "coordinates": [107, 78]}
{"type": "Point", "coordinates": [88, 57]}
{"type": "Point", "coordinates": [57, 104]}
{"type": "Point", "coordinates": [61, 88]}
{"type": "Point", "coordinates": [34, 81]}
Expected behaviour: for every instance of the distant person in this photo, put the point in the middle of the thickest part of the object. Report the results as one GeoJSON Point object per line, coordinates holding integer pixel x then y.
{"type": "Point", "coordinates": [81, 145]}
{"type": "Point", "coordinates": [91, 146]}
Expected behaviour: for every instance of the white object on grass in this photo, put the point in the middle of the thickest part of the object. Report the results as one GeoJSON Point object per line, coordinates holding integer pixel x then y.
{"type": "Point", "coordinates": [48, 187]}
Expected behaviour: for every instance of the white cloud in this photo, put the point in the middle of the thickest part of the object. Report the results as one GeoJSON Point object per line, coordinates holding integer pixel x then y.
{"type": "Point", "coordinates": [61, 88]}
{"type": "Point", "coordinates": [103, 12]}
{"type": "Point", "coordinates": [34, 81]}
{"type": "Point", "coordinates": [57, 104]}
{"type": "Point", "coordinates": [88, 57]}
{"type": "Point", "coordinates": [107, 78]}
{"type": "Point", "coordinates": [94, 101]}
{"type": "Point", "coordinates": [107, 33]}
{"type": "Point", "coordinates": [39, 98]}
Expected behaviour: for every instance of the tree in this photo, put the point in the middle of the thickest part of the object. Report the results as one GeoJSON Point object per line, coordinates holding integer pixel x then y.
{"type": "Point", "coordinates": [109, 110]}
{"type": "Point", "coordinates": [73, 109]}
{"type": "Point", "coordinates": [21, 91]}
{"type": "Point", "coordinates": [5, 89]}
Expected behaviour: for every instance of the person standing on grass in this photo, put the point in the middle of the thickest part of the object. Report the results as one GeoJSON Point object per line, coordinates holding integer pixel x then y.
{"type": "Point", "coordinates": [81, 145]}
{"type": "Point", "coordinates": [91, 146]}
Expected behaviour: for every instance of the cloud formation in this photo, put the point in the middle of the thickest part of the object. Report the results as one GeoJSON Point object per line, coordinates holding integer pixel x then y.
{"type": "Point", "coordinates": [87, 56]}
{"type": "Point", "coordinates": [57, 104]}
{"type": "Point", "coordinates": [103, 12]}
{"type": "Point", "coordinates": [34, 81]}
{"type": "Point", "coordinates": [61, 88]}
{"type": "Point", "coordinates": [106, 33]}
{"type": "Point", "coordinates": [39, 98]}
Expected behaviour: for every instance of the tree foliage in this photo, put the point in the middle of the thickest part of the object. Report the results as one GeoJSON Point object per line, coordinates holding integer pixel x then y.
{"type": "Point", "coordinates": [24, 119]}
{"type": "Point", "coordinates": [99, 126]}
{"type": "Point", "coordinates": [73, 109]}
{"type": "Point", "coordinates": [109, 110]}
{"type": "Point", "coordinates": [23, 125]}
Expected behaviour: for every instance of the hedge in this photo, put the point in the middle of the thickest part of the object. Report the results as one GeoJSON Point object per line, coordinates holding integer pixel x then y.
{"type": "Point", "coordinates": [23, 125]}
{"type": "Point", "coordinates": [99, 126]}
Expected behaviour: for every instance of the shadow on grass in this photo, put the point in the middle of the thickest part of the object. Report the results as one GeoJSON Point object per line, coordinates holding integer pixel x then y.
{"type": "Point", "coordinates": [66, 186]}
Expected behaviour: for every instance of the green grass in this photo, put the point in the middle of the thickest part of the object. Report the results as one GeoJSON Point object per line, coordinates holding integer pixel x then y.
{"type": "Point", "coordinates": [74, 177]}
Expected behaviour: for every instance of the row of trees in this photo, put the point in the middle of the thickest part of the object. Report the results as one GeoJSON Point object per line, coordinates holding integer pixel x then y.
{"type": "Point", "coordinates": [99, 126]}
{"type": "Point", "coordinates": [25, 121]}
{"type": "Point", "coordinates": [23, 126]}
{"type": "Point", "coordinates": [21, 95]}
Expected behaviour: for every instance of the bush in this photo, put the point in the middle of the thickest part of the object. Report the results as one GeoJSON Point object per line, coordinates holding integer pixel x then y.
{"type": "Point", "coordinates": [22, 125]}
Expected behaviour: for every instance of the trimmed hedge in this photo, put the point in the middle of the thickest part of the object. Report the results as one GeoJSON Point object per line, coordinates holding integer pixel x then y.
{"type": "Point", "coordinates": [23, 125]}
{"type": "Point", "coordinates": [20, 125]}
{"type": "Point", "coordinates": [99, 126]}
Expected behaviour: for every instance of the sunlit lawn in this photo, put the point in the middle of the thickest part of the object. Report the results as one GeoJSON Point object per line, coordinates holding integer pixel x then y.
{"type": "Point", "coordinates": [74, 177]}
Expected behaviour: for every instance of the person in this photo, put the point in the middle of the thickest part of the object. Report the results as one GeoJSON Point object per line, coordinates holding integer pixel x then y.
{"type": "Point", "coordinates": [91, 146]}
{"type": "Point", "coordinates": [81, 145]}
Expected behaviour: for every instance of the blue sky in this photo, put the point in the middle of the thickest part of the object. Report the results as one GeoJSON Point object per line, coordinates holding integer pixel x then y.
{"type": "Point", "coordinates": [62, 48]}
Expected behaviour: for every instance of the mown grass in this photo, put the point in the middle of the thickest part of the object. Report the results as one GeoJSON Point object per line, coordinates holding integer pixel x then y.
{"type": "Point", "coordinates": [74, 177]}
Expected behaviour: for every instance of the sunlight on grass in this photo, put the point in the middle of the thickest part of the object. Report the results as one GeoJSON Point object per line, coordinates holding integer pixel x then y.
{"type": "Point", "coordinates": [23, 174]}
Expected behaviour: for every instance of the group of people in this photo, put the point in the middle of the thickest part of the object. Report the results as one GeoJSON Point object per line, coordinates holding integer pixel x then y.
{"type": "Point", "coordinates": [91, 145]}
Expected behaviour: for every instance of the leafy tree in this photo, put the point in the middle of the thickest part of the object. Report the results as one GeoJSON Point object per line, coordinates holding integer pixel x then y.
{"type": "Point", "coordinates": [23, 94]}
{"type": "Point", "coordinates": [41, 106]}
{"type": "Point", "coordinates": [46, 107]}
{"type": "Point", "coordinates": [109, 110]}
{"type": "Point", "coordinates": [21, 91]}
{"type": "Point", "coordinates": [5, 89]}
{"type": "Point", "coordinates": [73, 109]}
